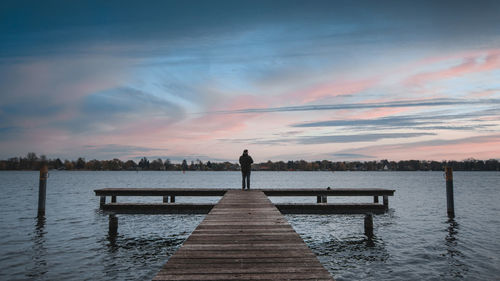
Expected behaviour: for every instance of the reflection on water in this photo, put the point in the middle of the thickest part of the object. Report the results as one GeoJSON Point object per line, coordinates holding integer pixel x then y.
{"type": "Point", "coordinates": [125, 253]}
{"type": "Point", "coordinates": [157, 244]}
{"type": "Point", "coordinates": [456, 268]}
{"type": "Point", "coordinates": [353, 249]}
{"type": "Point", "coordinates": [39, 251]}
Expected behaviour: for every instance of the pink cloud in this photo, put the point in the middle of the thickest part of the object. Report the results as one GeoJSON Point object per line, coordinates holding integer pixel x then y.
{"type": "Point", "coordinates": [331, 89]}
{"type": "Point", "coordinates": [480, 147]}
{"type": "Point", "coordinates": [242, 101]}
{"type": "Point", "coordinates": [485, 93]}
{"type": "Point", "coordinates": [471, 63]}
{"type": "Point", "coordinates": [380, 112]}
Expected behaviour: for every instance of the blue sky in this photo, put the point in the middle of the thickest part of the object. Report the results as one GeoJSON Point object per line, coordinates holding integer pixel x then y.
{"type": "Point", "coordinates": [337, 80]}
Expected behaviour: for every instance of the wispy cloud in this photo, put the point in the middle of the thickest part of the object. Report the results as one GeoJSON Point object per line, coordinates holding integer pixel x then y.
{"type": "Point", "coordinates": [435, 149]}
{"type": "Point", "coordinates": [320, 107]}
{"type": "Point", "coordinates": [434, 121]}
{"type": "Point", "coordinates": [474, 63]}
{"type": "Point", "coordinates": [358, 138]}
{"type": "Point", "coordinates": [350, 156]}
{"type": "Point", "coordinates": [352, 138]}
{"type": "Point", "coordinates": [118, 109]}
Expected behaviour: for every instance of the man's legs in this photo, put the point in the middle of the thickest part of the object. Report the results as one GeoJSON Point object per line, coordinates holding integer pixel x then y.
{"type": "Point", "coordinates": [242, 180]}
{"type": "Point", "coordinates": [248, 180]}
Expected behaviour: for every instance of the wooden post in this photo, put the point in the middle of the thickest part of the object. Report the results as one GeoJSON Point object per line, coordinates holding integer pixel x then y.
{"type": "Point", "coordinates": [103, 201]}
{"type": "Point", "coordinates": [172, 199]}
{"type": "Point", "coordinates": [321, 199]}
{"type": "Point", "coordinates": [450, 204]}
{"type": "Point", "coordinates": [42, 190]}
{"type": "Point", "coordinates": [318, 199]}
{"type": "Point", "coordinates": [369, 225]}
{"type": "Point", "coordinates": [165, 199]}
{"type": "Point", "coordinates": [375, 199]}
{"type": "Point", "coordinates": [113, 225]}
{"type": "Point", "coordinates": [113, 199]}
{"type": "Point", "coordinates": [385, 199]}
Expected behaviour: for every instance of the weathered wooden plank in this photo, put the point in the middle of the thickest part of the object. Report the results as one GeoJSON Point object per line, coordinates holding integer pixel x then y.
{"type": "Point", "coordinates": [160, 192]}
{"type": "Point", "coordinates": [195, 254]}
{"type": "Point", "coordinates": [244, 247]}
{"type": "Point", "coordinates": [297, 268]}
{"type": "Point", "coordinates": [247, 240]}
{"type": "Point", "coordinates": [221, 192]}
{"type": "Point", "coordinates": [338, 208]}
{"type": "Point", "coordinates": [239, 217]}
{"type": "Point", "coordinates": [329, 192]}
{"type": "Point", "coordinates": [159, 208]}
{"type": "Point", "coordinates": [242, 261]}
{"type": "Point", "coordinates": [242, 276]}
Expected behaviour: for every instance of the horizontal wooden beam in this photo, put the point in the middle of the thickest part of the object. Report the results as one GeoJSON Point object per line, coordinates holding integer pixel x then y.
{"type": "Point", "coordinates": [329, 192]}
{"type": "Point", "coordinates": [160, 192]}
{"type": "Point", "coordinates": [288, 208]}
{"type": "Point", "coordinates": [151, 208]}
{"type": "Point", "coordinates": [221, 192]}
{"type": "Point", "coordinates": [337, 208]}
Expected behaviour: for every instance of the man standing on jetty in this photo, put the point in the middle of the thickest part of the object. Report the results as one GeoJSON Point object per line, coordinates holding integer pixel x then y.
{"type": "Point", "coordinates": [246, 167]}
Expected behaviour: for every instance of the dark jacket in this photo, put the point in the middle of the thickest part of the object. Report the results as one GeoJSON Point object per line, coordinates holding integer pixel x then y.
{"type": "Point", "coordinates": [246, 163]}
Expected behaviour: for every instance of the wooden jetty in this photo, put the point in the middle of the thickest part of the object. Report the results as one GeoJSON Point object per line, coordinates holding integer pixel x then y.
{"type": "Point", "coordinates": [244, 237]}
{"type": "Point", "coordinates": [170, 207]}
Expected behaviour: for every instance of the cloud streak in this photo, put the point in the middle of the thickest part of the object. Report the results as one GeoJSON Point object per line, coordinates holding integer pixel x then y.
{"type": "Point", "coordinates": [436, 149]}
{"type": "Point", "coordinates": [351, 106]}
{"type": "Point", "coordinates": [418, 122]}
{"type": "Point", "coordinates": [308, 140]}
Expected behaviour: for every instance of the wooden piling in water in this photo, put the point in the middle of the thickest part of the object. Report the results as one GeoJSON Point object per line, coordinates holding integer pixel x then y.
{"type": "Point", "coordinates": [102, 202]}
{"type": "Point", "coordinates": [165, 199]}
{"type": "Point", "coordinates": [375, 199]}
{"type": "Point", "coordinates": [450, 204]}
{"type": "Point", "coordinates": [42, 190]}
{"type": "Point", "coordinates": [369, 225]}
{"type": "Point", "coordinates": [113, 225]}
{"type": "Point", "coordinates": [385, 200]}
{"type": "Point", "coordinates": [322, 199]}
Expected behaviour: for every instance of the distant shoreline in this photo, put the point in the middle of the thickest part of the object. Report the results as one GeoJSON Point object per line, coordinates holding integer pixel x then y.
{"type": "Point", "coordinates": [33, 162]}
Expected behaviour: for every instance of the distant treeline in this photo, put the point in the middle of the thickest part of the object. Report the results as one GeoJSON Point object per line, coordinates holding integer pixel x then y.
{"type": "Point", "coordinates": [33, 162]}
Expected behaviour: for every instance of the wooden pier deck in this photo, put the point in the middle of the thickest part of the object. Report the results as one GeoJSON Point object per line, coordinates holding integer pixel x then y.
{"type": "Point", "coordinates": [244, 237]}
{"type": "Point", "coordinates": [203, 208]}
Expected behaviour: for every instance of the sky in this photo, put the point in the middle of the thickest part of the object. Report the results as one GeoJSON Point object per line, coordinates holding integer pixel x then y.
{"type": "Point", "coordinates": [287, 80]}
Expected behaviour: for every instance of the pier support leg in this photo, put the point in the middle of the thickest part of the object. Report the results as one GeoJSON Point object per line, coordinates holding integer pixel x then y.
{"type": "Point", "coordinates": [375, 199]}
{"type": "Point", "coordinates": [369, 226]}
{"type": "Point", "coordinates": [386, 202]}
{"type": "Point", "coordinates": [113, 199]}
{"type": "Point", "coordinates": [450, 204]}
{"type": "Point", "coordinates": [42, 190]}
{"type": "Point", "coordinates": [113, 225]}
{"type": "Point", "coordinates": [165, 199]}
{"type": "Point", "coordinates": [172, 199]}
{"type": "Point", "coordinates": [103, 201]}
{"type": "Point", "coordinates": [321, 199]}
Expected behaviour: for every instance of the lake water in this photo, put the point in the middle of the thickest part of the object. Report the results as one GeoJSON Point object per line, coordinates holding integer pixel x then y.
{"type": "Point", "coordinates": [414, 240]}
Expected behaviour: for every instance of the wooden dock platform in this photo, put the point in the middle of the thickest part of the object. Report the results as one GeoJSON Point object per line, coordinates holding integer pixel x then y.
{"type": "Point", "coordinates": [244, 237]}
{"type": "Point", "coordinates": [171, 207]}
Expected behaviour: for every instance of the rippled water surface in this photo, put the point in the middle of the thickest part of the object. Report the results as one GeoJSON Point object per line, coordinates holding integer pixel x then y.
{"type": "Point", "coordinates": [414, 240]}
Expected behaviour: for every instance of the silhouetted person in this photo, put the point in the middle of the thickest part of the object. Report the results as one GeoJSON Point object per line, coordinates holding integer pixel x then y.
{"type": "Point", "coordinates": [246, 167]}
